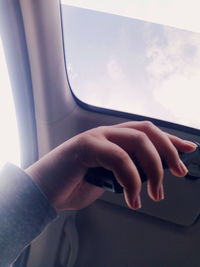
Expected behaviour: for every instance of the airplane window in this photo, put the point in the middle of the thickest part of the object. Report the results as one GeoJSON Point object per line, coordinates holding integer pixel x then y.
{"type": "Point", "coordinates": [134, 64]}
{"type": "Point", "coordinates": [9, 140]}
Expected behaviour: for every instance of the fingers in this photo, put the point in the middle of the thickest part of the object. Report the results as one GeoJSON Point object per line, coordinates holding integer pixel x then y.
{"type": "Point", "coordinates": [112, 157]}
{"type": "Point", "coordinates": [164, 144]}
{"type": "Point", "coordinates": [112, 146]}
{"type": "Point", "coordinates": [144, 152]}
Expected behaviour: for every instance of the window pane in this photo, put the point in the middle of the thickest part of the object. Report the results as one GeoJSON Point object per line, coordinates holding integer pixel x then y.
{"type": "Point", "coordinates": [133, 65]}
{"type": "Point", "coordinates": [9, 141]}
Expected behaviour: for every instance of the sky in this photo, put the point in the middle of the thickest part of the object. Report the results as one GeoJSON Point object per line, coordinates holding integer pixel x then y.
{"type": "Point", "coordinates": [133, 65]}
{"type": "Point", "coordinates": [9, 140]}
{"type": "Point", "coordinates": [182, 14]}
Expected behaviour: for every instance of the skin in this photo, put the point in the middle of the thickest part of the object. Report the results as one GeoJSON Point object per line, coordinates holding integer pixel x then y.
{"type": "Point", "coordinates": [60, 173]}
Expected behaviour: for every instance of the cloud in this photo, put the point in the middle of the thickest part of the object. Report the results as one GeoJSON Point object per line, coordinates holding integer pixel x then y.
{"type": "Point", "coordinates": [174, 71]}
{"type": "Point", "coordinates": [115, 70]}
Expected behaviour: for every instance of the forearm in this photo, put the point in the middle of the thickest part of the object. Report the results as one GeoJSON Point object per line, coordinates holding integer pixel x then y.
{"type": "Point", "coordinates": [24, 212]}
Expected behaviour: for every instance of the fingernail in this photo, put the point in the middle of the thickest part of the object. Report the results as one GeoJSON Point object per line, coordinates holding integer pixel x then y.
{"type": "Point", "coordinates": [137, 203]}
{"type": "Point", "coordinates": [182, 167]}
{"type": "Point", "coordinates": [153, 191]}
{"type": "Point", "coordinates": [191, 143]}
{"type": "Point", "coordinates": [161, 192]}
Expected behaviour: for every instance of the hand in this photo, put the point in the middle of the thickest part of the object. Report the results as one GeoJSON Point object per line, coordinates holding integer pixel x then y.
{"type": "Point", "coordinates": [60, 173]}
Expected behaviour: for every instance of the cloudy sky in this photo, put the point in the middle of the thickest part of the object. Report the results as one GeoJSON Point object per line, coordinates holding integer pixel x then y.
{"type": "Point", "coordinates": [133, 65]}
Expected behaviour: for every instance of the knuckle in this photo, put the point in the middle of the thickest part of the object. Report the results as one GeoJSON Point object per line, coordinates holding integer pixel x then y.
{"type": "Point", "coordinates": [84, 138]}
{"type": "Point", "coordinates": [102, 127]}
{"type": "Point", "coordinates": [171, 152]}
{"type": "Point", "coordinates": [83, 142]}
{"type": "Point", "coordinates": [121, 157]}
{"type": "Point", "coordinates": [141, 137]}
{"type": "Point", "coordinates": [148, 126]}
{"type": "Point", "coordinates": [100, 131]}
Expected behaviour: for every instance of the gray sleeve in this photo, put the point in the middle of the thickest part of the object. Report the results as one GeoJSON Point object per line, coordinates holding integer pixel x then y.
{"type": "Point", "coordinates": [24, 212]}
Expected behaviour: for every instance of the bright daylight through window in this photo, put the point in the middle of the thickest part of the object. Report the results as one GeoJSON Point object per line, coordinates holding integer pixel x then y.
{"type": "Point", "coordinates": [144, 58]}
{"type": "Point", "coordinates": [9, 141]}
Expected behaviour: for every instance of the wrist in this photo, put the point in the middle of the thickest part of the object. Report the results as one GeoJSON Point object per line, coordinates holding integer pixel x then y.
{"type": "Point", "coordinates": [39, 180]}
